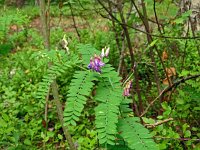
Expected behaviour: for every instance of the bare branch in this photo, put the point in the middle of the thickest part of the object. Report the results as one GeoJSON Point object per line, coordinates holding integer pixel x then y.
{"type": "Point", "coordinates": [158, 123]}
{"type": "Point", "coordinates": [180, 139]}
{"type": "Point", "coordinates": [154, 35]}
{"type": "Point", "coordinates": [175, 84]}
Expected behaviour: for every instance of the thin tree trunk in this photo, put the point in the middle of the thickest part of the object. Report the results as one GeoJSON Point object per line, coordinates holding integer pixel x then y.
{"type": "Point", "coordinates": [45, 19]}
{"type": "Point", "coordinates": [149, 39]}
{"type": "Point", "coordinates": [133, 63]}
{"type": "Point", "coordinates": [74, 22]}
{"type": "Point", "coordinates": [121, 50]}
{"type": "Point", "coordinates": [144, 19]}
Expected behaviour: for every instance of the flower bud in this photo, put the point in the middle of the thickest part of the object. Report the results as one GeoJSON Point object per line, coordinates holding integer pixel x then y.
{"type": "Point", "coordinates": [102, 53]}
{"type": "Point", "coordinates": [107, 51]}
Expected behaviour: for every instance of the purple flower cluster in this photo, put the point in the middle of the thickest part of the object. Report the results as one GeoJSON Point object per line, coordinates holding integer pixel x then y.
{"type": "Point", "coordinates": [96, 63]}
{"type": "Point", "coordinates": [127, 88]}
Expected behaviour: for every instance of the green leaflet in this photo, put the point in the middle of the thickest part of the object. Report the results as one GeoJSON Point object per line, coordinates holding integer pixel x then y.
{"type": "Point", "coordinates": [109, 96]}
{"type": "Point", "coordinates": [80, 88]}
{"type": "Point", "coordinates": [87, 51]}
{"type": "Point", "coordinates": [136, 135]}
{"type": "Point", "coordinates": [57, 68]}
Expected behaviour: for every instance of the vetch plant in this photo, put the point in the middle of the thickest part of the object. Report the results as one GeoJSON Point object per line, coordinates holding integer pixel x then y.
{"type": "Point", "coordinates": [111, 119]}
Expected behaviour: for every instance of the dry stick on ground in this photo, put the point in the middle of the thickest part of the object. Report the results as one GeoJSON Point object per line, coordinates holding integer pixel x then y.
{"type": "Point", "coordinates": [45, 19]}
{"type": "Point", "coordinates": [180, 139]}
{"type": "Point", "coordinates": [174, 85]}
{"type": "Point", "coordinates": [158, 123]}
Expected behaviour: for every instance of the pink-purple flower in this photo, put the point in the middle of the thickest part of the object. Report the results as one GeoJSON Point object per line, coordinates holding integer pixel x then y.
{"type": "Point", "coordinates": [127, 88]}
{"type": "Point", "coordinates": [96, 63]}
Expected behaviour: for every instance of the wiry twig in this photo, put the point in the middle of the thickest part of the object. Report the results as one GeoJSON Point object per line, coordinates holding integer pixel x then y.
{"type": "Point", "coordinates": [158, 123]}
{"type": "Point", "coordinates": [152, 102]}
{"type": "Point", "coordinates": [132, 57]}
{"type": "Point", "coordinates": [74, 22]}
{"type": "Point", "coordinates": [175, 84]}
{"type": "Point", "coordinates": [180, 139]}
{"type": "Point", "coordinates": [154, 35]}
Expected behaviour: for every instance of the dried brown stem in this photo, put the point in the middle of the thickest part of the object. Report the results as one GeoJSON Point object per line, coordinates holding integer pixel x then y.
{"type": "Point", "coordinates": [158, 123]}
{"type": "Point", "coordinates": [180, 139]}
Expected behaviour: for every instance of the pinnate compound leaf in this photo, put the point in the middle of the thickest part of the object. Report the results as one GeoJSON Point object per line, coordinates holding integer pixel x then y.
{"type": "Point", "coordinates": [80, 89]}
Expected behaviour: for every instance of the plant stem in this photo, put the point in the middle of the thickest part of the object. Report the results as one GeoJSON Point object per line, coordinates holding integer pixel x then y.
{"type": "Point", "coordinates": [54, 88]}
{"type": "Point", "coordinates": [158, 123]}
{"type": "Point", "coordinates": [45, 19]}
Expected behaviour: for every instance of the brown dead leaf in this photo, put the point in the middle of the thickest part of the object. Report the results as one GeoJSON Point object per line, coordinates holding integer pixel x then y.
{"type": "Point", "coordinates": [164, 55]}
{"type": "Point", "coordinates": [105, 28]}
{"type": "Point", "coordinates": [165, 81]}
{"type": "Point", "coordinates": [14, 28]}
{"type": "Point", "coordinates": [44, 123]}
{"type": "Point", "coordinates": [50, 105]}
{"type": "Point", "coordinates": [171, 71]}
